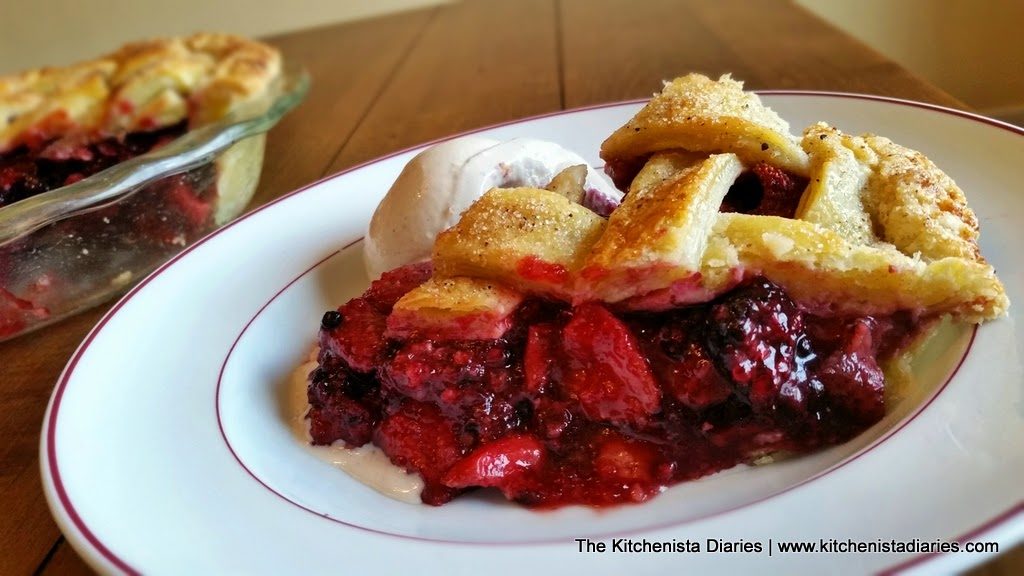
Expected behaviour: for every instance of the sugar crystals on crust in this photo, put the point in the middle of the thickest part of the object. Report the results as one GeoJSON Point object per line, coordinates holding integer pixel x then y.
{"type": "Point", "coordinates": [697, 114]}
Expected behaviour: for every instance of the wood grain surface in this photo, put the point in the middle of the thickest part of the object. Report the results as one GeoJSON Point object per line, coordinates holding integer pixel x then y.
{"type": "Point", "coordinates": [384, 84]}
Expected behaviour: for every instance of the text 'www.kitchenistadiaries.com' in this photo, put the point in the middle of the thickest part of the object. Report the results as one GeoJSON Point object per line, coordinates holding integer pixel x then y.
{"type": "Point", "coordinates": [772, 547]}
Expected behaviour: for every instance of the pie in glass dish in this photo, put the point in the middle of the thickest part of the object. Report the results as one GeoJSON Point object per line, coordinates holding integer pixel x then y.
{"type": "Point", "coordinates": [755, 296]}
{"type": "Point", "coordinates": [59, 126]}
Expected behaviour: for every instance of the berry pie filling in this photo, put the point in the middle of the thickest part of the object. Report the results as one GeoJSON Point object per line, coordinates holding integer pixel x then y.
{"type": "Point", "coordinates": [589, 405]}
{"type": "Point", "coordinates": [764, 190]}
{"type": "Point", "coordinates": [46, 165]}
{"type": "Point", "coordinates": [166, 214]}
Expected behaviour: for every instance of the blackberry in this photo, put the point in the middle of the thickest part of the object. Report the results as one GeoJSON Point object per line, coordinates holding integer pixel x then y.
{"type": "Point", "coordinates": [331, 320]}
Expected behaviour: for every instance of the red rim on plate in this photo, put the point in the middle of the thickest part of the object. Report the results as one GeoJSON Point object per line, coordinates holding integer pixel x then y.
{"type": "Point", "coordinates": [50, 465]}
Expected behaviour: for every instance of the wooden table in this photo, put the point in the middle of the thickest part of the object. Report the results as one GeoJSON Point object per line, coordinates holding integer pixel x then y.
{"type": "Point", "coordinates": [384, 84]}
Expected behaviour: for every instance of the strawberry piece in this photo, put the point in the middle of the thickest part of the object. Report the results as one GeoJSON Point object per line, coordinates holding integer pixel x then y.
{"type": "Point", "coordinates": [539, 358]}
{"type": "Point", "coordinates": [605, 371]}
{"type": "Point", "coordinates": [775, 178]}
{"type": "Point", "coordinates": [852, 378]}
{"type": "Point", "coordinates": [16, 313]}
{"type": "Point", "coordinates": [74, 177]}
{"type": "Point", "coordinates": [181, 199]}
{"type": "Point", "coordinates": [748, 438]}
{"type": "Point", "coordinates": [781, 190]}
{"type": "Point", "coordinates": [419, 439]}
{"type": "Point", "coordinates": [384, 292]}
{"type": "Point", "coordinates": [690, 376]}
{"type": "Point", "coordinates": [357, 339]}
{"type": "Point", "coordinates": [501, 464]}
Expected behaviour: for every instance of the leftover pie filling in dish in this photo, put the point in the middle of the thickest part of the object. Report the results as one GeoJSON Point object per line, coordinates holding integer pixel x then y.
{"type": "Point", "coordinates": [748, 300]}
{"type": "Point", "coordinates": [61, 125]}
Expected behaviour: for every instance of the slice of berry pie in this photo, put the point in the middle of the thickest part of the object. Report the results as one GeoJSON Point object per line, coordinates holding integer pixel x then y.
{"type": "Point", "coordinates": [742, 303]}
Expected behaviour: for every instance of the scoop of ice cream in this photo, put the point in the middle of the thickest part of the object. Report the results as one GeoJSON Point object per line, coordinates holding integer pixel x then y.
{"type": "Point", "coordinates": [438, 184]}
{"type": "Point", "coordinates": [420, 203]}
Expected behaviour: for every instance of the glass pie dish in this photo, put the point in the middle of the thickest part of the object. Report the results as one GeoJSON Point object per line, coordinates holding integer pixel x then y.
{"type": "Point", "coordinates": [76, 246]}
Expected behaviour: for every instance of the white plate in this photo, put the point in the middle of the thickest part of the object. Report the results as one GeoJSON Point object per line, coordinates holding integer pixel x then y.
{"type": "Point", "coordinates": [165, 448]}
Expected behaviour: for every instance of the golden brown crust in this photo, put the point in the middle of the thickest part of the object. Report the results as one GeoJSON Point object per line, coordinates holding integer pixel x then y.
{"type": "Point", "coordinates": [879, 229]}
{"type": "Point", "coordinates": [659, 233]}
{"type": "Point", "coordinates": [822, 269]}
{"type": "Point", "coordinates": [697, 114]}
{"type": "Point", "coordinates": [917, 207]}
{"type": "Point", "coordinates": [458, 308]}
{"type": "Point", "coordinates": [870, 189]}
{"type": "Point", "coordinates": [840, 169]}
{"type": "Point", "coordinates": [141, 86]}
{"type": "Point", "coordinates": [533, 240]}
{"type": "Point", "coordinates": [668, 245]}
{"type": "Point", "coordinates": [662, 166]}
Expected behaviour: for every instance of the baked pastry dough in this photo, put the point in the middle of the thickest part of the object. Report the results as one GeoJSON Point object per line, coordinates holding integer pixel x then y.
{"type": "Point", "coordinates": [454, 308]}
{"type": "Point", "coordinates": [868, 185]}
{"type": "Point", "coordinates": [659, 233]}
{"type": "Point", "coordinates": [879, 228]}
{"type": "Point", "coordinates": [534, 240]}
{"type": "Point", "coordinates": [917, 207]}
{"type": "Point", "coordinates": [841, 166]}
{"type": "Point", "coordinates": [139, 87]}
{"type": "Point", "coordinates": [697, 114]}
{"type": "Point", "coordinates": [824, 271]}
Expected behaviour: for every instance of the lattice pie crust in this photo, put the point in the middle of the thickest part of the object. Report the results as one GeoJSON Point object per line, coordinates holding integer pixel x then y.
{"type": "Point", "coordinates": [879, 228]}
